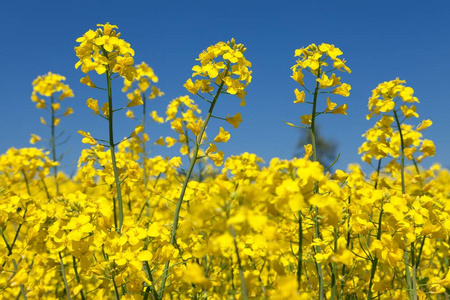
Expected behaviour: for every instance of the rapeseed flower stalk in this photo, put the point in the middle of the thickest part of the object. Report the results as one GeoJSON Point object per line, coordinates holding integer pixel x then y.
{"type": "Point", "coordinates": [399, 141]}
{"type": "Point", "coordinates": [224, 66]}
{"type": "Point", "coordinates": [50, 85]}
{"type": "Point", "coordinates": [105, 52]}
{"type": "Point", "coordinates": [314, 59]}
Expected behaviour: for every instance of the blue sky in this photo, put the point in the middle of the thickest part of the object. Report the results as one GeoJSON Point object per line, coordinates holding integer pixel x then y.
{"type": "Point", "coordinates": [381, 40]}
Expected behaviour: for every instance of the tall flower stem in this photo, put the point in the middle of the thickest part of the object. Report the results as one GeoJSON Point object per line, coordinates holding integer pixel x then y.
{"type": "Point", "coordinates": [241, 270]}
{"type": "Point", "coordinates": [186, 180]}
{"type": "Point", "coordinates": [316, 189]}
{"type": "Point", "coordinates": [375, 260]}
{"type": "Point", "coordinates": [113, 151]}
{"type": "Point", "coordinates": [300, 250]}
{"type": "Point", "coordinates": [53, 143]}
{"type": "Point", "coordinates": [411, 281]}
{"type": "Point", "coordinates": [77, 276]}
{"type": "Point", "coordinates": [63, 273]}
{"type": "Point", "coordinates": [144, 151]}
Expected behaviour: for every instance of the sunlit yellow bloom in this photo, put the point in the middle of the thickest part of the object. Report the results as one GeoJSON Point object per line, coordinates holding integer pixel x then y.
{"type": "Point", "coordinates": [130, 114]}
{"type": "Point", "coordinates": [234, 120]}
{"type": "Point", "coordinates": [93, 104]}
{"type": "Point", "coordinates": [341, 109]}
{"type": "Point", "coordinates": [160, 141]}
{"type": "Point", "coordinates": [87, 81]}
{"type": "Point", "coordinates": [300, 96]}
{"type": "Point", "coordinates": [68, 111]}
{"type": "Point", "coordinates": [222, 137]}
{"type": "Point", "coordinates": [34, 139]}
{"type": "Point", "coordinates": [87, 138]}
{"type": "Point", "coordinates": [424, 125]}
{"type": "Point", "coordinates": [306, 119]}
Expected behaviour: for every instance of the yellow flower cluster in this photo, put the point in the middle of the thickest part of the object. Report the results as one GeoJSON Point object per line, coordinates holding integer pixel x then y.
{"type": "Point", "coordinates": [315, 59]}
{"type": "Point", "coordinates": [224, 65]}
{"type": "Point", "coordinates": [261, 204]}
{"type": "Point", "coordinates": [132, 226]}
{"type": "Point", "coordinates": [144, 78]}
{"type": "Point", "coordinates": [49, 85]}
{"type": "Point", "coordinates": [385, 98]}
{"type": "Point", "coordinates": [390, 134]}
{"type": "Point", "coordinates": [104, 51]}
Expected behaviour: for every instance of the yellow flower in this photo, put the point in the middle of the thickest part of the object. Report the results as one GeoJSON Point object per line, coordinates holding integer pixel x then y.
{"type": "Point", "coordinates": [160, 141]}
{"type": "Point", "coordinates": [34, 139]}
{"type": "Point", "coordinates": [93, 104]}
{"type": "Point", "coordinates": [68, 111]}
{"type": "Point", "coordinates": [195, 127]}
{"type": "Point", "coordinates": [177, 125]}
{"type": "Point", "coordinates": [191, 87]}
{"type": "Point", "coordinates": [211, 149]}
{"type": "Point", "coordinates": [234, 120]}
{"type": "Point", "coordinates": [156, 118]}
{"type": "Point", "coordinates": [300, 96]}
{"type": "Point", "coordinates": [88, 139]}
{"type": "Point", "coordinates": [222, 137]}
{"type": "Point", "coordinates": [130, 114]}
{"type": "Point", "coordinates": [217, 158]}
{"type": "Point", "coordinates": [175, 161]}
{"type": "Point", "coordinates": [341, 109]}
{"type": "Point", "coordinates": [306, 119]}
{"type": "Point", "coordinates": [424, 125]}
{"type": "Point", "coordinates": [330, 105]}
{"type": "Point", "coordinates": [343, 90]}
{"type": "Point", "coordinates": [138, 129]}
{"type": "Point", "coordinates": [170, 141]}
{"type": "Point", "coordinates": [409, 112]}
{"type": "Point", "coordinates": [87, 81]}
{"type": "Point", "coordinates": [134, 99]}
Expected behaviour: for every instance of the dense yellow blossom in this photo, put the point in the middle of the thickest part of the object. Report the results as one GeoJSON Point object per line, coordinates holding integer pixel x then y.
{"type": "Point", "coordinates": [247, 229]}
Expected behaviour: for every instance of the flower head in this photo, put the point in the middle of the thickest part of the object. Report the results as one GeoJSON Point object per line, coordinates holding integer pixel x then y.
{"type": "Point", "coordinates": [103, 50]}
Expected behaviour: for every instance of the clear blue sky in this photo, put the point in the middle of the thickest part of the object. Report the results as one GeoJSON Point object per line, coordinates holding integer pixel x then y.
{"type": "Point", "coordinates": [381, 40]}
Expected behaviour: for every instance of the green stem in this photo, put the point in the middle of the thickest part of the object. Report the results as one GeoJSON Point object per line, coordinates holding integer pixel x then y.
{"type": "Point", "coordinates": [63, 271]}
{"type": "Point", "coordinates": [313, 118]}
{"type": "Point", "coordinates": [241, 270]}
{"type": "Point", "coordinates": [316, 189]}
{"type": "Point", "coordinates": [419, 256]}
{"type": "Point", "coordinates": [26, 182]}
{"type": "Point", "coordinates": [402, 153]}
{"type": "Point", "coordinates": [113, 151]}
{"type": "Point", "coordinates": [53, 144]}
{"type": "Point", "coordinates": [16, 235]}
{"type": "Point", "coordinates": [77, 276]}
{"type": "Point", "coordinates": [411, 282]}
{"type": "Point", "coordinates": [378, 174]}
{"type": "Point", "coordinates": [186, 181]}
{"type": "Point", "coordinates": [300, 250]}
{"type": "Point", "coordinates": [152, 287]}
{"type": "Point", "coordinates": [375, 260]}
{"type": "Point", "coordinates": [347, 246]}
{"type": "Point", "coordinates": [116, 290]}
{"type": "Point", "coordinates": [17, 231]}
{"type": "Point", "coordinates": [115, 210]}
{"type": "Point", "coordinates": [144, 150]}
{"type": "Point", "coordinates": [45, 189]}
{"type": "Point", "coordinates": [418, 173]}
